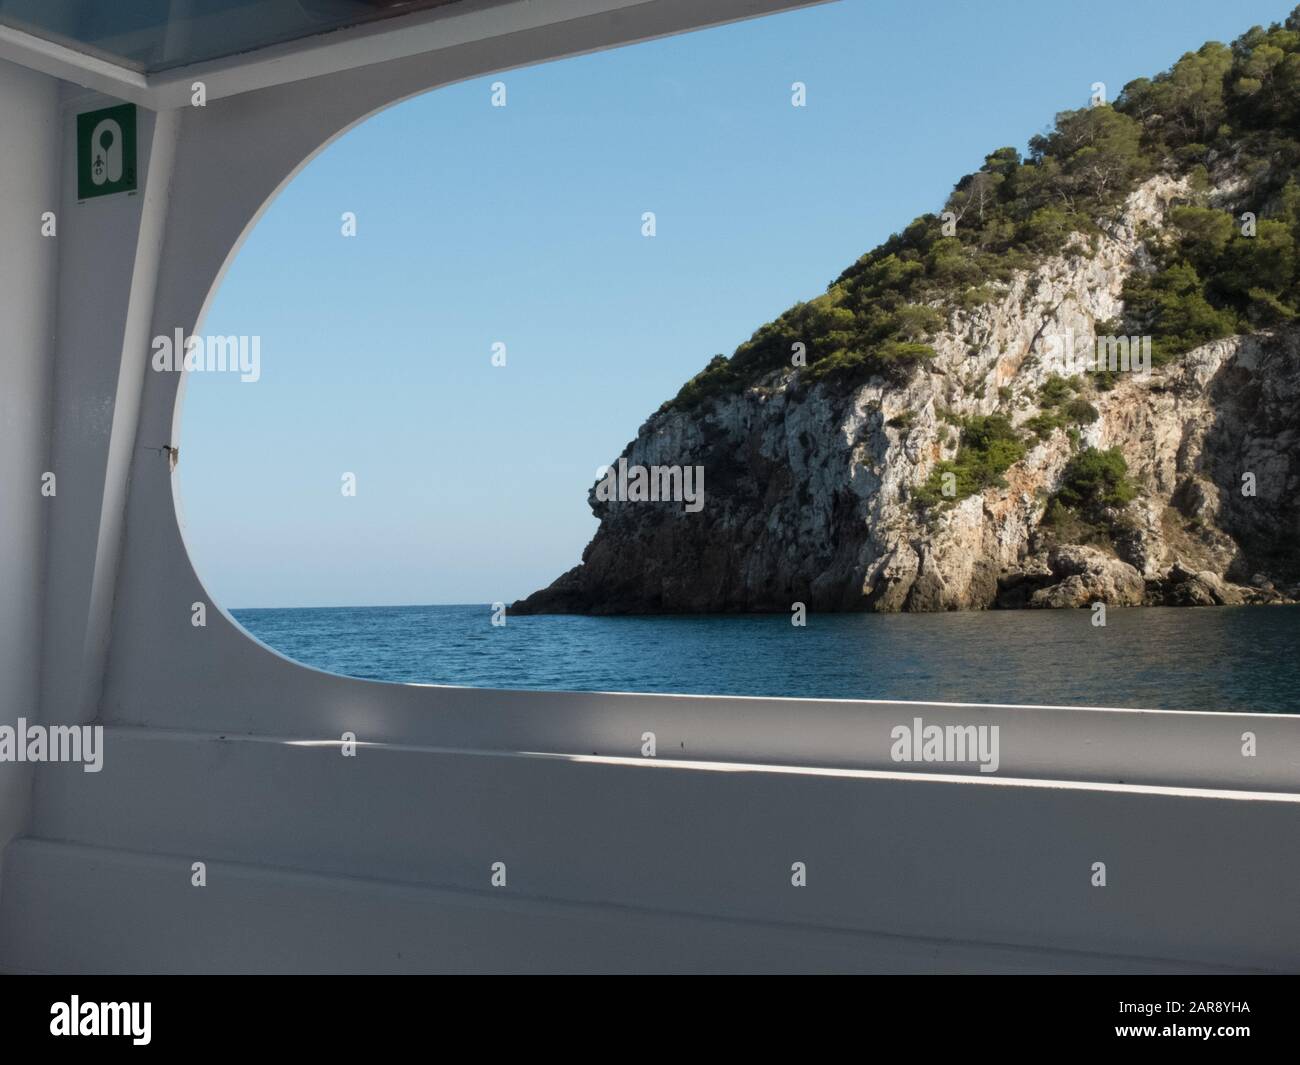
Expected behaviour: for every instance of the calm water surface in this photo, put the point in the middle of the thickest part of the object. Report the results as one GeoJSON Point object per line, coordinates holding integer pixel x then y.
{"type": "Point", "coordinates": [1220, 658]}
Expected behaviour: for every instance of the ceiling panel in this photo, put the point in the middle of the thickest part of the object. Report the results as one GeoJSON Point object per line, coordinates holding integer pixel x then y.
{"type": "Point", "coordinates": [155, 35]}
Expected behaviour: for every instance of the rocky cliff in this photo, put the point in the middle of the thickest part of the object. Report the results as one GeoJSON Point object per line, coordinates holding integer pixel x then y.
{"type": "Point", "coordinates": [829, 491]}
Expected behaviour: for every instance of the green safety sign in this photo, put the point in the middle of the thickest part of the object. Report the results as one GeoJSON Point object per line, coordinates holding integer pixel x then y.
{"type": "Point", "coordinates": [106, 151]}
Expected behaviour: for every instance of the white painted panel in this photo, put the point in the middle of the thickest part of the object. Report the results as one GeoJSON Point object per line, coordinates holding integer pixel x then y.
{"type": "Point", "coordinates": [29, 165]}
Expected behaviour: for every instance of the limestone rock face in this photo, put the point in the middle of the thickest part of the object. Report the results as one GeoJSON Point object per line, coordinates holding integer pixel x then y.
{"type": "Point", "coordinates": [1183, 587]}
{"type": "Point", "coordinates": [1082, 576]}
{"type": "Point", "coordinates": [809, 489]}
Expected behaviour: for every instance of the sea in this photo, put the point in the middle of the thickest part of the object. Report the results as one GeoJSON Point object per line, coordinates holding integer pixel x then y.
{"type": "Point", "coordinates": [1242, 659]}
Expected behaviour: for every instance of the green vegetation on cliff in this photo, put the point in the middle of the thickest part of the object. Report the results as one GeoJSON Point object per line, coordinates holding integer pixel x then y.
{"type": "Point", "coordinates": [1095, 480]}
{"type": "Point", "coordinates": [1233, 108]}
{"type": "Point", "coordinates": [1094, 487]}
{"type": "Point", "coordinates": [1213, 280]}
{"type": "Point", "coordinates": [989, 446]}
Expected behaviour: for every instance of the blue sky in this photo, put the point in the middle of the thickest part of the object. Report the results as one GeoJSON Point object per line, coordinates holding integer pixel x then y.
{"type": "Point", "coordinates": [522, 225]}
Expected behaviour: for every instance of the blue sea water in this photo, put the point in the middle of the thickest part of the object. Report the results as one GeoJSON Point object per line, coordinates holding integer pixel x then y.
{"type": "Point", "coordinates": [1217, 658]}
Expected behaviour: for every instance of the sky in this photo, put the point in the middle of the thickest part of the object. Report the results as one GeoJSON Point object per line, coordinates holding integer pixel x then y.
{"type": "Point", "coordinates": [522, 225]}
